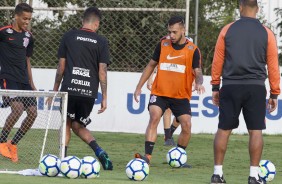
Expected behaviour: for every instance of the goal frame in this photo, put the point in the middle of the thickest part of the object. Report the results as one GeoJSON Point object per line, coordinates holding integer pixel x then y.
{"type": "Point", "coordinates": [53, 94]}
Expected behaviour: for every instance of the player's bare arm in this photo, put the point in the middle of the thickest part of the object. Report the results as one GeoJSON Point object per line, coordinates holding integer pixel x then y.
{"type": "Point", "coordinates": [144, 77]}
{"type": "Point", "coordinates": [30, 73]}
{"type": "Point", "coordinates": [59, 74]}
{"type": "Point", "coordinates": [103, 84]}
{"type": "Point", "coordinates": [58, 78]}
{"type": "Point", "coordinates": [199, 79]}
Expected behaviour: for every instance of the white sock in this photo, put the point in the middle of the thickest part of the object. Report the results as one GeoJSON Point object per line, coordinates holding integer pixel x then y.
{"type": "Point", "coordinates": [254, 170]}
{"type": "Point", "coordinates": [218, 170]}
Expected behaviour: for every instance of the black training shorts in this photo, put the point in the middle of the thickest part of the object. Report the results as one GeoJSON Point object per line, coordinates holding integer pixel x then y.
{"type": "Point", "coordinates": [79, 109]}
{"type": "Point", "coordinates": [10, 84]}
{"type": "Point", "coordinates": [178, 106]}
{"type": "Point", "coordinates": [251, 99]}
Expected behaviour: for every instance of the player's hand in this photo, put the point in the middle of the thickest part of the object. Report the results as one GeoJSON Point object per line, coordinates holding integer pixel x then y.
{"type": "Point", "coordinates": [215, 98]}
{"type": "Point", "coordinates": [271, 105]}
{"type": "Point", "coordinates": [137, 94]}
{"type": "Point", "coordinates": [49, 101]}
{"type": "Point", "coordinates": [200, 89]}
{"type": "Point", "coordinates": [103, 106]}
{"type": "Point", "coordinates": [149, 86]}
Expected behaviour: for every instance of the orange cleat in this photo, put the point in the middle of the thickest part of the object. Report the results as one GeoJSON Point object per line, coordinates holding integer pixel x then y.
{"type": "Point", "coordinates": [4, 150]}
{"type": "Point", "coordinates": [146, 158]}
{"type": "Point", "coordinates": [14, 151]}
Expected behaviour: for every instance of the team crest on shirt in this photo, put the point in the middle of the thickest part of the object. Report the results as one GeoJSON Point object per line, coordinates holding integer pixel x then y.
{"type": "Point", "coordinates": [25, 42]}
{"type": "Point", "coordinates": [153, 99]}
{"type": "Point", "coordinates": [9, 30]}
{"type": "Point", "coordinates": [165, 43]}
{"type": "Point", "coordinates": [27, 34]}
{"type": "Point", "coordinates": [190, 47]}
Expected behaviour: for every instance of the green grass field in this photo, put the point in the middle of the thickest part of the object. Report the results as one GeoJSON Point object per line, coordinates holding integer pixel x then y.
{"type": "Point", "coordinates": [121, 148]}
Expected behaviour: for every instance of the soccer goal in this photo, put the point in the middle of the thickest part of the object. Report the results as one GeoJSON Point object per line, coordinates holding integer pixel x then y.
{"type": "Point", "coordinates": [47, 134]}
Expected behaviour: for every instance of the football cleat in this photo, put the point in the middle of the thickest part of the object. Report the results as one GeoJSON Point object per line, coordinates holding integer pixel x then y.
{"type": "Point", "coordinates": [216, 179]}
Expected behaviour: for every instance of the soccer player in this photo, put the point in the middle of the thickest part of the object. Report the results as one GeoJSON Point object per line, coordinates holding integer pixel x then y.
{"type": "Point", "coordinates": [83, 60]}
{"type": "Point", "coordinates": [169, 128]}
{"type": "Point", "coordinates": [179, 63]}
{"type": "Point", "coordinates": [242, 51]}
{"type": "Point", "coordinates": [16, 47]}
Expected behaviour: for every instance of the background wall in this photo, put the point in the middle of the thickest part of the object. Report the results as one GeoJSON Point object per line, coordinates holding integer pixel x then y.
{"type": "Point", "coordinates": [125, 115]}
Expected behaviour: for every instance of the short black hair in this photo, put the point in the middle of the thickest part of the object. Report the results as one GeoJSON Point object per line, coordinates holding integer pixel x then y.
{"type": "Point", "coordinates": [249, 3]}
{"type": "Point", "coordinates": [91, 13]}
{"type": "Point", "coordinates": [176, 19]}
{"type": "Point", "coordinates": [23, 7]}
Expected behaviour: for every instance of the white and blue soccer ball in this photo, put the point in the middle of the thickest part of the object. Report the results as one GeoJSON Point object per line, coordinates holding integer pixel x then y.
{"type": "Point", "coordinates": [137, 169]}
{"type": "Point", "coordinates": [49, 165]}
{"type": "Point", "coordinates": [90, 167]}
{"type": "Point", "coordinates": [176, 157]}
{"type": "Point", "coordinates": [267, 170]}
{"type": "Point", "coordinates": [71, 167]}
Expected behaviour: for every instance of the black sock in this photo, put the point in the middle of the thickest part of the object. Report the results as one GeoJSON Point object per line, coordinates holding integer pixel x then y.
{"type": "Point", "coordinates": [66, 149]}
{"type": "Point", "coordinates": [183, 147]}
{"type": "Point", "coordinates": [4, 136]}
{"type": "Point", "coordinates": [149, 146]}
{"type": "Point", "coordinates": [19, 135]}
{"type": "Point", "coordinates": [172, 129]}
{"type": "Point", "coordinates": [94, 145]}
{"type": "Point", "coordinates": [167, 133]}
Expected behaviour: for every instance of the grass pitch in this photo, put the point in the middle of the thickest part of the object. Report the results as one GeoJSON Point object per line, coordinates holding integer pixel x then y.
{"type": "Point", "coordinates": [121, 148]}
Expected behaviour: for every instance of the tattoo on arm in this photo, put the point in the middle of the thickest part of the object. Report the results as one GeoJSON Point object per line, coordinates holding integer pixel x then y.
{"type": "Point", "coordinates": [199, 76]}
{"type": "Point", "coordinates": [103, 78]}
{"type": "Point", "coordinates": [59, 76]}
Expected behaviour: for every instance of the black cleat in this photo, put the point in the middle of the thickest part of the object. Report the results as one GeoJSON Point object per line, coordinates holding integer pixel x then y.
{"type": "Point", "coordinates": [169, 142]}
{"type": "Point", "coordinates": [216, 179]}
{"type": "Point", "coordinates": [105, 161]}
{"type": "Point", "coordinates": [253, 180]}
{"type": "Point", "coordinates": [145, 158]}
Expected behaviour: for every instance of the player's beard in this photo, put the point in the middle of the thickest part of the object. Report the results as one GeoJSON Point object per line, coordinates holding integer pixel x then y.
{"type": "Point", "coordinates": [178, 41]}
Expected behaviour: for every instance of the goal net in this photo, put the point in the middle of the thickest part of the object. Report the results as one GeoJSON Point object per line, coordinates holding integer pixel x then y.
{"type": "Point", "coordinates": [47, 134]}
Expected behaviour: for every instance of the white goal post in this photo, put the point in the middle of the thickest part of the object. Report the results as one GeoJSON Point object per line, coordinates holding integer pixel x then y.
{"type": "Point", "coordinates": [47, 134]}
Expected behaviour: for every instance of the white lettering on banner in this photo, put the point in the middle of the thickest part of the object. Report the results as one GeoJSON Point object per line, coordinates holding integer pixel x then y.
{"type": "Point", "coordinates": [81, 71]}
{"type": "Point", "coordinates": [86, 39]}
{"type": "Point", "coordinates": [173, 67]}
{"type": "Point", "coordinates": [125, 115]}
{"type": "Point", "coordinates": [80, 82]}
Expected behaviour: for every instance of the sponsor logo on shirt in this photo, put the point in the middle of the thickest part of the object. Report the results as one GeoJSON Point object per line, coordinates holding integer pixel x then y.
{"type": "Point", "coordinates": [165, 44]}
{"type": "Point", "coordinates": [168, 57]}
{"type": "Point", "coordinates": [81, 91]}
{"type": "Point", "coordinates": [80, 38]}
{"type": "Point", "coordinates": [173, 67]}
{"type": "Point", "coordinates": [81, 71]}
{"type": "Point", "coordinates": [9, 30]}
{"type": "Point", "coordinates": [25, 42]}
{"type": "Point", "coordinates": [80, 82]}
{"type": "Point", "coordinates": [190, 47]}
{"type": "Point", "coordinates": [27, 34]}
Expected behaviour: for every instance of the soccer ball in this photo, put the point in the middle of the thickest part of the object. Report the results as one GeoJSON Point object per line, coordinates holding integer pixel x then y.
{"type": "Point", "coordinates": [90, 167]}
{"type": "Point", "coordinates": [71, 167]}
{"type": "Point", "coordinates": [267, 170]}
{"type": "Point", "coordinates": [137, 169]}
{"type": "Point", "coordinates": [176, 157]}
{"type": "Point", "coordinates": [49, 165]}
